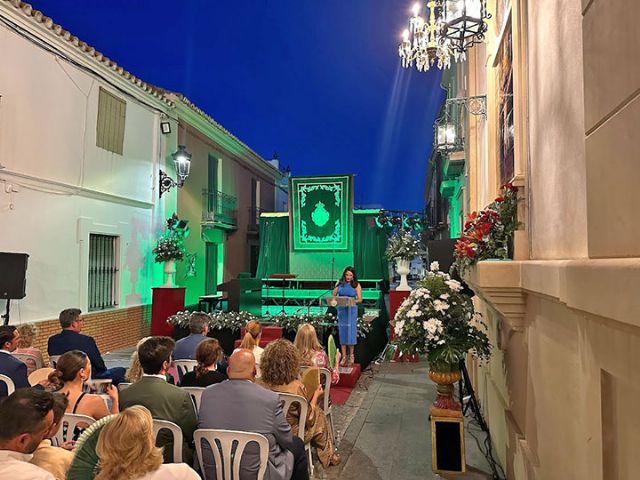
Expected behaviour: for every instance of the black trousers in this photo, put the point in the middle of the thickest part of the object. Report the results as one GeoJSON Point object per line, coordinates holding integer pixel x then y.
{"type": "Point", "coordinates": [300, 463]}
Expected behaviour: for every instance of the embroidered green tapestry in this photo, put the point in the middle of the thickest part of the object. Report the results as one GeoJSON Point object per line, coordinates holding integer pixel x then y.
{"type": "Point", "coordinates": [321, 212]}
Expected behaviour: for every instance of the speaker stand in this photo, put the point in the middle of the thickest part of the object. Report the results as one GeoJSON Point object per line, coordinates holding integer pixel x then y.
{"type": "Point", "coordinates": [6, 315]}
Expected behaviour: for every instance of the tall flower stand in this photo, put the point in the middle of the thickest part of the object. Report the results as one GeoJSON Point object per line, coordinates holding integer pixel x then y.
{"type": "Point", "coordinates": [396, 297]}
{"type": "Point", "coordinates": [447, 425]}
{"type": "Point", "coordinates": [165, 302]}
{"type": "Point", "coordinates": [403, 267]}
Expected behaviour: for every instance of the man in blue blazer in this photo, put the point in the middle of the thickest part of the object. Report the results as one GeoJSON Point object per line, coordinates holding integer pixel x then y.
{"type": "Point", "coordinates": [10, 365]}
{"type": "Point", "coordinates": [198, 328]}
{"type": "Point", "coordinates": [70, 338]}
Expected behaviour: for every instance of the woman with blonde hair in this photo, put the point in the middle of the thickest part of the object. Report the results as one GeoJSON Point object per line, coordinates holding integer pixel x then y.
{"type": "Point", "coordinates": [135, 370]}
{"type": "Point", "coordinates": [311, 353]}
{"type": "Point", "coordinates": [28, 333]}
{"type": "Point", "coordinates": [126, 449]}
{"type": "Point", "coordinates": [208, 354]}
{"type": "Point", "coordinates": [73, 369]}
{"type": "Point", "coordinates": [280, 365]}
{"type": "Point", "coordinates": [251, 341]}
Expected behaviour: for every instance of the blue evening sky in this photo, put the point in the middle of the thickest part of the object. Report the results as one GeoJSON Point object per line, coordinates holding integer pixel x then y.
{"type": "Point", "coordinates": [318, 81]}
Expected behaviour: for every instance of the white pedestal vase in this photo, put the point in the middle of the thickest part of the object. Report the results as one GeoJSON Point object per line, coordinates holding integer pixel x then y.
{"type": "Point", "coordinates": [402, 267]}
{"type": "Point", "coordinates": [170, 272]}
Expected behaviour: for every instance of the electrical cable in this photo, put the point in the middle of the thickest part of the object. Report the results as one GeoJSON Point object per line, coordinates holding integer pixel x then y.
{"type": "Point", "coordinates": [24, 33]}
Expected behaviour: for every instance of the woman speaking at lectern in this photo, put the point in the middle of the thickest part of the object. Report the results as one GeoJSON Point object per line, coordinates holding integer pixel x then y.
{"type": "Point", "coordinates": [348, 286]}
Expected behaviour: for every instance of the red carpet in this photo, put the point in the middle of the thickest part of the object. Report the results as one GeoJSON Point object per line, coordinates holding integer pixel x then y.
{"type": "Point", "coordinates": [348, 379]}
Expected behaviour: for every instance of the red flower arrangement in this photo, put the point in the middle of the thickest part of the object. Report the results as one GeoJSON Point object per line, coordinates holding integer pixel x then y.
{"type": "Point", "coordinates": [487, 233]}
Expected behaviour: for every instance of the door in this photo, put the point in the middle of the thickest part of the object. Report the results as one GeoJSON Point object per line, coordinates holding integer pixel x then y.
{"type": "Point", "coordinates": [211, 270]}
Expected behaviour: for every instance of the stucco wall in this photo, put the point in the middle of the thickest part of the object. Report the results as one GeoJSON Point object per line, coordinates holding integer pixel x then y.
{"type": "Point", "coordinates": [57, 187]}
{"type": "Point", "coordinates": [557, 184]}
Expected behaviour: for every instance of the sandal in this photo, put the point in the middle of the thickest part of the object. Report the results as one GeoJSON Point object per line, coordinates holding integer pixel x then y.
{"type": "Point", "coordinates": [351, 359]}
{"type": "Point", "coordinates": [343, 361]}
{"type": "Point", "coordinates": [335, 460]}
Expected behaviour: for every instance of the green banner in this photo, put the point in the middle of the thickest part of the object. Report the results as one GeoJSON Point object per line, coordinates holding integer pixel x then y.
{"type": "Point", "coordinates": [321, 210]}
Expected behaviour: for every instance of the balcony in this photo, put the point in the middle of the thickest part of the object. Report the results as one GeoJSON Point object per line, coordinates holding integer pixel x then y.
{"type": "Point", "coordinates": [254, 219]}
{"type": "Point", "coordinates": [219, 209]}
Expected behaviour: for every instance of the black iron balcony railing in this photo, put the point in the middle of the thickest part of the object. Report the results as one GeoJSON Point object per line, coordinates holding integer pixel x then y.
{"type": "Point", "coordinates": [254, 218]}
{"type": "Point", "coordinates": [218, 207]}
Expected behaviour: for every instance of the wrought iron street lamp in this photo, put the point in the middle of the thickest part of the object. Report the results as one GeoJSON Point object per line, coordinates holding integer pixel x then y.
{"type": "Point", "coordinates": [464, 23]}
{"type": "Point", "coordinates": [182, 162]}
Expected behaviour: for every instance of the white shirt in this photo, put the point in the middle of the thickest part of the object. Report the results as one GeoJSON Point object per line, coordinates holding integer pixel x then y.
{"type": "Point", "coordinates": [172, 471]}
{"type": "Point", "coordinates": [15, 465]}
{"type": "Point", "coordinates": [162, 377]}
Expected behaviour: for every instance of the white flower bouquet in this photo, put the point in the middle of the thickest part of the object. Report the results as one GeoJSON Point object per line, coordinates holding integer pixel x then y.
{"type": "Point", "coordinates": [438, 320]}
{"type": "Point", "coordinates": [404, 245]}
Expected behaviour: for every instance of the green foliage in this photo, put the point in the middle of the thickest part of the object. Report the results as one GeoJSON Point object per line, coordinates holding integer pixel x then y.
{"type": "Point", "coordinates": [404, 245]}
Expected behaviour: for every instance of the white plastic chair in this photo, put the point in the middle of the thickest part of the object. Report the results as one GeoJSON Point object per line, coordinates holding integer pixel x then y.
{"type": "Point", "coordinates": [289, 399]}
{"type": "Point", "coordinates": [176, 432]}
{"type": "Point", "coordinates": [184, 366]}
{"type": "Point", "coordinates": [123, 386]}
{"type": "Point", "coordinates": [9, 383]}
{"type": "Point", "coordinates": [326, 400]}
{"type": "Point", "coordinates": [71, 421]}
{"type": "Point", "coordinates": [27, 358]}
{"type": "Point", "coordinates": [226, 439]}
{"type": "Point", "coordinates": [53, 360]}
{"type": "Point", "coordinates": [196, 395]}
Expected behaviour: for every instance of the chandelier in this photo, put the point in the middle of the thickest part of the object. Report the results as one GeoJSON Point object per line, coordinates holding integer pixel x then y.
{"type": "Point", "coordinates": [423, 44]}
{"type": "Point", "coordinates": [463, 23]}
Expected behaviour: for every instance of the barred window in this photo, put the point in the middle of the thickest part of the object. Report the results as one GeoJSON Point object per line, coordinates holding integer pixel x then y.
{"type": "Point", "coordinates": [103, 272]}
{"type": "Point", "coordinates": [112, 113]}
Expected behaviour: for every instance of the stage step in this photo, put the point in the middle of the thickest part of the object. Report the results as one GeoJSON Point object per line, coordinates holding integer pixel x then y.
{"type": "Point", "coordinates": [349, 375]}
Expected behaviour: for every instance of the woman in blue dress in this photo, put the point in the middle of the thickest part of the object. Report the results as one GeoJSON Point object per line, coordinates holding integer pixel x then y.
{"type": "Point", "coordinates": [348, 286]}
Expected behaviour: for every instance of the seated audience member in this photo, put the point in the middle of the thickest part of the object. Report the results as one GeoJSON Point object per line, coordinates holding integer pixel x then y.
{"type": "Point", "coordinates": [280, 372]}
{"type": "Point", "coordinates": [70, 338]}
{"type": "Point", "coordinates": [10, 365]}
{"type": "Point", "coordinates": [208, 354]}
{"type": "Point", "coordinates": [163, 400]}
{"type": "Point", "coordinates": [55, 460]}
{"type": "Point", "coordinates": [72, 371]}
{"type": "Point", "coordinates": [28, 333]}
{"type": "Point", "coordinates": [240, 404]}
{"type": "Point", "coordinates": [199, 328]}
{"type": "Point", "coordinates": [127, 451]}
{"type": "Point", "coordinates": [251, 341]}
{"type": "Point", "coordinates": [135, 370]}
{"type": "Point", "coordinates": [25, 419]}
{"type": "Point", "coordinates": [311, 353]}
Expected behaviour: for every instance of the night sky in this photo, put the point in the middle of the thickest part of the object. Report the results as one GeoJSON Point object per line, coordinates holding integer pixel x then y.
{"type": "Point", "coordinates": [320, 82]}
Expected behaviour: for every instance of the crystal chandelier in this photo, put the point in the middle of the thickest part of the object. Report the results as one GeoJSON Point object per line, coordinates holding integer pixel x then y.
{"type": "Point", "coordinates": [422, 42]}
{"type": "Point", "coordinates": [463, 22]}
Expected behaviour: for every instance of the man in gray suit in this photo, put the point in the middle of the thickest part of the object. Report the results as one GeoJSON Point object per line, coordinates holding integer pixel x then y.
{"type": "Point", "coordinates": [199, 328]}
{"type": "Point", "coordinates": [240, 404]}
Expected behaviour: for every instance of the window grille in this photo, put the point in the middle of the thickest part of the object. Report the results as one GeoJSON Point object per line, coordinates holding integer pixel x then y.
{"type": "Point", "coordinates": [103, 272]}
{"type": "Point", "coordinates": [112, 112]}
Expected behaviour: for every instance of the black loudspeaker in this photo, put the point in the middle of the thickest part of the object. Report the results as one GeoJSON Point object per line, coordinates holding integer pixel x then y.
{"type": "Point", "coordinates": [13, 275]}
{"type": "Point", "coordinates": [447, 444]}
{"type": "Point", "coordinates": [441, 251]}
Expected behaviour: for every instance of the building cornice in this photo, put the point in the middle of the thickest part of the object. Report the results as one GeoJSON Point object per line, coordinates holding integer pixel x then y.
{"type": "Point", "coordinates": [33, 22]}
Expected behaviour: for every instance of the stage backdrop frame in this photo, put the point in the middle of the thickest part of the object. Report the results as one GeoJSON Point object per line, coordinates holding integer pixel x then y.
{"type": "Point", "coordinates": [321, 213]}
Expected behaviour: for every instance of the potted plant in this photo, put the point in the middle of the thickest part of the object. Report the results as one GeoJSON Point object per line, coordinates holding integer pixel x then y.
{"type": "Point", "coordinates": [403, 247]}
{"type": "Point", "coordinates": [169, 249]}
{"type": "Point", "coordinates": [489, 233]}
{"type": "Point", "coordinates": [439, 321]}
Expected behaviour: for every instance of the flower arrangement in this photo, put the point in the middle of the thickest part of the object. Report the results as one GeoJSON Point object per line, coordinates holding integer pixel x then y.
{"type": "Point", "coordinates": [403, 245]}
{"type": "Point", "coordinates": [219, 320]}
{"type": "Point", "coordinates": [169, 247]}
{"type": "Point", "coordinates": [487, 233]}
{"type": "Point", "coordinates": [438, 320]}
